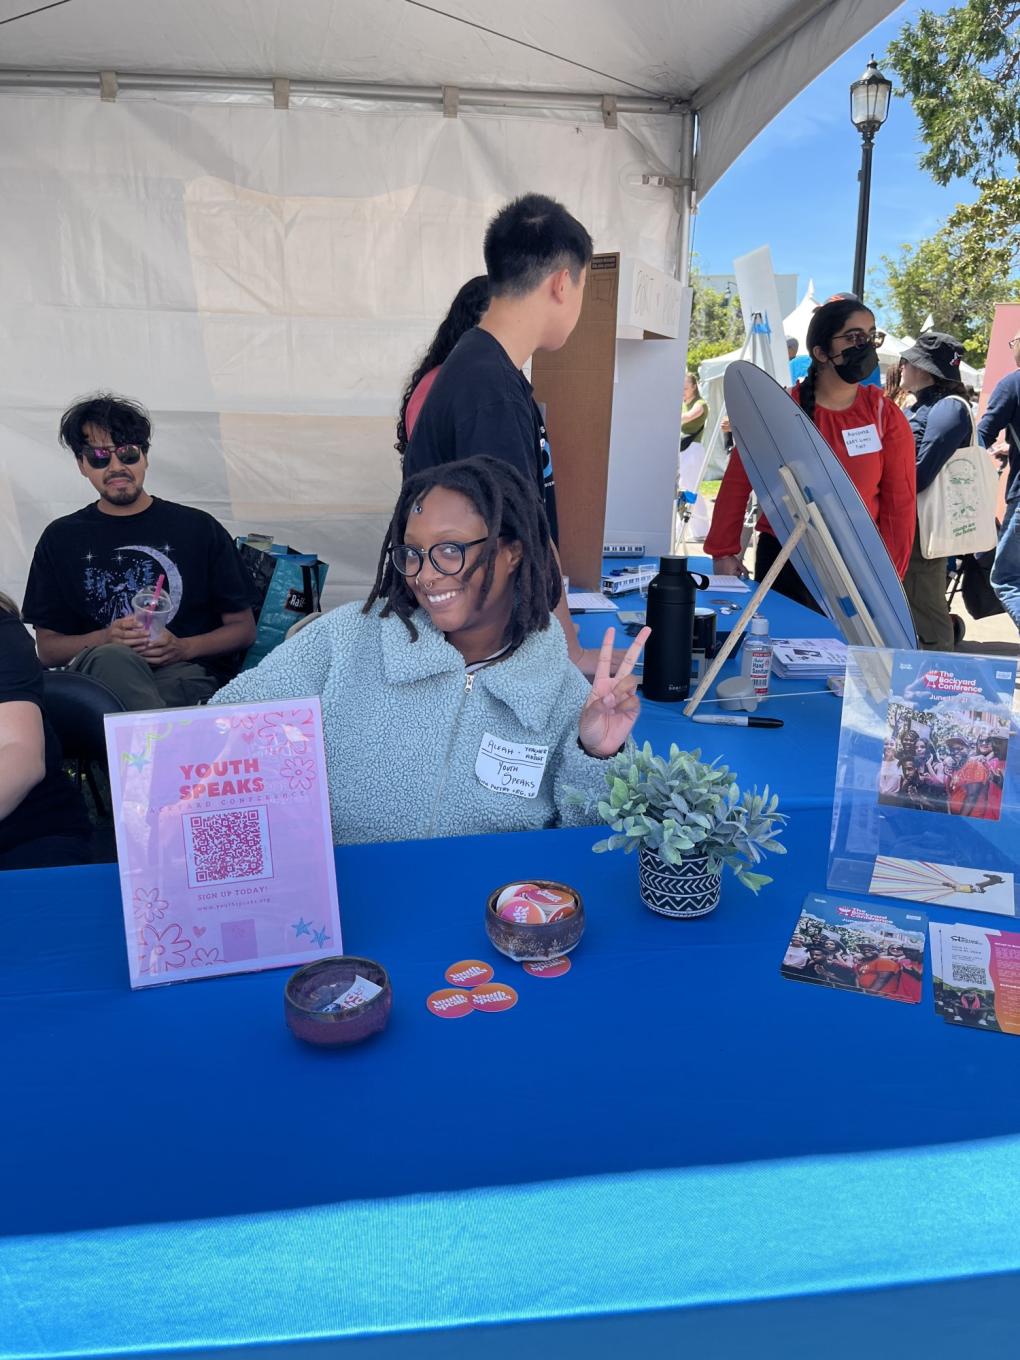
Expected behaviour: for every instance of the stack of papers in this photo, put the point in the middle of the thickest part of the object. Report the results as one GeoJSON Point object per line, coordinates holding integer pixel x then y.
{"type": "Point", "coordinates": [808, 658]}
{"type": "Point", "coordinates": [587, 601]}
{"type": "Point", "coordinates": [734, 585]}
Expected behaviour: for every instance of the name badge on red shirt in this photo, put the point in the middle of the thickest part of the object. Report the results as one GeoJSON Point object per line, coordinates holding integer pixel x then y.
{"type": "Point", "coordinates": [864, 439]}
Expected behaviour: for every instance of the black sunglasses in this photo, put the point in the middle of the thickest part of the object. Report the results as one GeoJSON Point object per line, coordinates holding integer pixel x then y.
{"type": "Point", "coordinates": [100, 457]}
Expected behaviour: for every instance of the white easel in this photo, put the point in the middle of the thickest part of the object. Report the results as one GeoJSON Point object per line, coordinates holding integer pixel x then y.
{"type": "Point", "coordinates": [756, 348]}
{"type": "Point", "coordinates": [855, 622]}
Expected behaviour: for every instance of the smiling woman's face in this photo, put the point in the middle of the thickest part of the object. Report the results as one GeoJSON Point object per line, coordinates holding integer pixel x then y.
{"type": "Point", "coordinates": [454, 603]}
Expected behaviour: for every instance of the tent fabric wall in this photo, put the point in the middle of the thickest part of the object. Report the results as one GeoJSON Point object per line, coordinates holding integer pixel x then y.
{"type": "Point", "coordinates": [263, 282]}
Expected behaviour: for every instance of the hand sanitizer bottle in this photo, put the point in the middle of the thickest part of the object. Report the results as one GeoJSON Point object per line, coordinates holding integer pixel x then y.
{"type": "Point", "coordinates": [756, 656]}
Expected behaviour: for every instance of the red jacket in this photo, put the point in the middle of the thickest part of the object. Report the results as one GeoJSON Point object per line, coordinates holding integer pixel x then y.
{"type": "Point", "coordinates": [885, 479]}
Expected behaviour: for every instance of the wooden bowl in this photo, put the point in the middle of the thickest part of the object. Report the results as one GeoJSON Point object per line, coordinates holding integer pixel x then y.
{"type": "Point", "coordinates": [524, 942]}
{"type": "Point", "coordinates": [307, 989]}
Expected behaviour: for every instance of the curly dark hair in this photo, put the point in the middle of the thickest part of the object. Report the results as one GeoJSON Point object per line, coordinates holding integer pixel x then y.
{"type": "Point", "coordinates": [127, 421]}
{"type": "Point", "coordinates": [826, 321]}
{"type": "Point", "coordinates": [466, 310]}
{"type": "Point", "coordinates": [512, 512]}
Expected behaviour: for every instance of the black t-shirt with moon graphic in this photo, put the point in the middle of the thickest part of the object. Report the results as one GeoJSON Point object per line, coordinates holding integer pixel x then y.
{"type": "Point", "coordinates": [88, 565]}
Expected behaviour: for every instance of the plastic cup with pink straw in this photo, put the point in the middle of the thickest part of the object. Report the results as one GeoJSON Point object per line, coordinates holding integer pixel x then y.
{"type": "Point", "coordinates": [152, 606]}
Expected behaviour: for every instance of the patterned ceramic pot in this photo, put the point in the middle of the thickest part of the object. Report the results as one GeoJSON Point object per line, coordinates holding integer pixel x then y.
{"type": "Point", "coordinates": [682, 891]}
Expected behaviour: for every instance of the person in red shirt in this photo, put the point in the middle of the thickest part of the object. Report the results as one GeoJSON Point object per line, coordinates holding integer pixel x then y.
{"type": "Point", "coordinates": [908, 982]}
{"type": "Point", "coordinates": [876, 972]}
{"type": "Point", "coordinates": [967, 785]}
{"type": "Point", "coordinates": [466, 310]}
{"type": "Point", "coordinates": [842, 342]}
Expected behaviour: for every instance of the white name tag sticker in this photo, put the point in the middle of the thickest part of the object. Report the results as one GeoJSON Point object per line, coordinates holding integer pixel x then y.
{"type": "Point", "coordinates": [510, 766]}
{"type": "Point", "coordinates": [862, 440]}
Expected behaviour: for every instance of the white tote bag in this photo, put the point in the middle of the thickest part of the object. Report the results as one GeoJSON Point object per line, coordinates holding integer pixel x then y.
{"type": "Point", "coordinates": [956, 514]}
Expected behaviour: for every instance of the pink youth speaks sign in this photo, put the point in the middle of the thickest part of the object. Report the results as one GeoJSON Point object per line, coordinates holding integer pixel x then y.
{"type": "Point", "coordinates": [223, 838]}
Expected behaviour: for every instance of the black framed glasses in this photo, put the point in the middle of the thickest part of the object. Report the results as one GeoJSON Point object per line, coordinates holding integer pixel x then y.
{"type": "Point", "coordinates": [100, 457]}
{"type": "Point", "coordinates": [447, 558]}
{"type": "Point", "coordinates": [1014, 342]}
{"type": "Point", "coordinates": [856, 337]}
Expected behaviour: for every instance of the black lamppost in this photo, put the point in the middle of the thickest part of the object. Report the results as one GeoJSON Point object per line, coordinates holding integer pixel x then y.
{"type": "Point", "coordinates": [869, 108]}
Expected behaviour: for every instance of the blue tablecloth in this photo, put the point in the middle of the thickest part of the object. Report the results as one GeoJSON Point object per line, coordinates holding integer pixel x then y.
{"type": "Point", "coordinates": [799, 762]}
{"type": "Point", "coordinates": [669, 1126]}
{"type": "Point", "coordinates": [670, 1147]}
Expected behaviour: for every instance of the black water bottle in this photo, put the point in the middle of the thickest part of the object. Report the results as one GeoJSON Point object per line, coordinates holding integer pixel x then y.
{"type": "Point", "coordinates": [667, 672]}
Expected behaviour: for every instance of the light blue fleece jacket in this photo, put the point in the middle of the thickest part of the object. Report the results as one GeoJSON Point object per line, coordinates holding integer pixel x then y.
{"type": "Point", "coordinates": [403, 724]}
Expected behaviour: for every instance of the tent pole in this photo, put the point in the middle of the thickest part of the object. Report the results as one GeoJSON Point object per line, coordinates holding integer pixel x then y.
{"type": "Point", "coordinates": [688, 128]}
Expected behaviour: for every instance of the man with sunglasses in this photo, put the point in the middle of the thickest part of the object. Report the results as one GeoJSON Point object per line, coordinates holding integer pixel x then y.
{"type": "Point", "coordinates": [88, 566]}
{"type": "Point", "coordinates": [1003, 413]}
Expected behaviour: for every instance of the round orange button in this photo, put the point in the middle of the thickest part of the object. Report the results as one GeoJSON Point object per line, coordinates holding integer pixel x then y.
{"type": "Point", "coordinates": [493, 996]}
{"type": "Point", "coordinates": [522, 912]}
{"type": "Point", "coordinates": [548, 968]}
{"type": "Point", "coordinates": [560, 914]}
{"type": "Point", "coordinates": [451, 1003]}
{"type": "Point", "coordinates": [469, 973]}
{"type": "Point", "coordinates": [512, 890]}
{"type": "Point", "coordinates": [549, 898]}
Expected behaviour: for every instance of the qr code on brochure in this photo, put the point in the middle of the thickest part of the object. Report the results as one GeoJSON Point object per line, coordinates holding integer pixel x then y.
{"type": "Point", "coordinates": [227, 847]}
{"type": "Point", "coordinates": [971, 974]}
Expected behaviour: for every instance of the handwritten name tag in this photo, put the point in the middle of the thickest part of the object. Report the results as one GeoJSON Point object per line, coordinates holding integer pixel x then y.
{"type": "Point", "coordinates": [510, 766]}
{"type": "Point", "coordinates": [862, 440]}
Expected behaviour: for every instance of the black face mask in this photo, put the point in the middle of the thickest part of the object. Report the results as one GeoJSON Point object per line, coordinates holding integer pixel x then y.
{"type": "Point", "coordinates": [858, 363]}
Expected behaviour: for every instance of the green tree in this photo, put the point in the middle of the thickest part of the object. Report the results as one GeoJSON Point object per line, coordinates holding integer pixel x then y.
{"type": "Point", "coordinates": [961, 72]}
{"type": "Point", "coordinates": [957, 276]}
{"type": "Point", "coordinates": [717, 325]}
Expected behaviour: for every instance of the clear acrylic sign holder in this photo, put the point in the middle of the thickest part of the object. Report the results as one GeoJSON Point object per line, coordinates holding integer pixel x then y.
{"type": "Point", "coordinates": [928, 780]}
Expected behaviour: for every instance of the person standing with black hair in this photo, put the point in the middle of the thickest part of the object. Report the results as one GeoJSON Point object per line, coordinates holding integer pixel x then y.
{"type": "Point", "coordinates": [466, 310]}
{"type": "Point", "coordinates": [867, 433]}
{"type": "Point", "coordinates": [449, 704]}
{"type": "Point", "coordinates": [537, 257]}
{"type": "Point", "coordinates": [940, 421]}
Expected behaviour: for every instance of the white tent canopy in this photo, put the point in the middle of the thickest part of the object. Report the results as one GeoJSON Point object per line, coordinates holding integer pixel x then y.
{"type": "Point", "coordinates": [256, 227]}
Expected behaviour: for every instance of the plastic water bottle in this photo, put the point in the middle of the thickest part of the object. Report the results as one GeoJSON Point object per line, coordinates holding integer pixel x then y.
{"type": "Point", "coordinates": [670, 616]}
{"type": "Point", "coordinates": [756, 656]}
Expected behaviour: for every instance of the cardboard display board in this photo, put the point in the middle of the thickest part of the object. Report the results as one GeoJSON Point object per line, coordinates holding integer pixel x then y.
{"type": "Point", "coordinates": [575, 386]}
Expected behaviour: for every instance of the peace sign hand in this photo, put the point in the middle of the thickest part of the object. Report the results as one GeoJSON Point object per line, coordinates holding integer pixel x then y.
{"type": "Point", "coordinates": [613, 706]}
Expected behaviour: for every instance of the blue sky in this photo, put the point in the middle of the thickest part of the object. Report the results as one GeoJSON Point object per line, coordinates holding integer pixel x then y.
{"type": "Point", "coordinates": [795, 188]}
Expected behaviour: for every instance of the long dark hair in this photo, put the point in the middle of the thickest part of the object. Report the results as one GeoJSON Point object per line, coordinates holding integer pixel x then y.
{"type": "Point", "coordinates": [947, 387]}
{"type": "Point", "coordinates": [827, 320]}
{"type": "Point", "coordinates": [512, 511]}
{"type": "Point", "coordinates": [466, 310]}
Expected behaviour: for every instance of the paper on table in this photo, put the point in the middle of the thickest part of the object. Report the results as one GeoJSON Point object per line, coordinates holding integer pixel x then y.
{"type": "Point", "coordinates": [735, 584]}
{"type": "Point", "coordinates": [580, 601]}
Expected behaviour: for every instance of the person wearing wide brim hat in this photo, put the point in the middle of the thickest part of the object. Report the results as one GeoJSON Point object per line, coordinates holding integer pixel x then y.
{"type": "Point", "coordinates": [941, 422]}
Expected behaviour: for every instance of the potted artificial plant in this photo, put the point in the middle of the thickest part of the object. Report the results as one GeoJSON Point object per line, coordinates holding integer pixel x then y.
{"type": "Point", "coordinates": [687, 819]}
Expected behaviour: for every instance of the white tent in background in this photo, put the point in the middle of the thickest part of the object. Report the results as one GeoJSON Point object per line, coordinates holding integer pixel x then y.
{"type": "Point", "coordinates": [797, 322]}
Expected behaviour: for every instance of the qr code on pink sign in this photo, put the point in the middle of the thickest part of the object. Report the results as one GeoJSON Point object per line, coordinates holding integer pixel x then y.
{"type": "Point", "coordinates": [227, 847]}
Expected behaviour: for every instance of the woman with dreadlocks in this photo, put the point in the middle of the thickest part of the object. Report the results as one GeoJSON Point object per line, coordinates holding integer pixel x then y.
{"type": "Point", "coordinates": [867, 433]}
{"type": "Point", "coordinates": [449, 703]}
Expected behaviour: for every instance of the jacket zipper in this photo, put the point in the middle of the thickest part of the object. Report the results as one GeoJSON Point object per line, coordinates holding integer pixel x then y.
{"type": "Point", "coordinates": [469, 681]}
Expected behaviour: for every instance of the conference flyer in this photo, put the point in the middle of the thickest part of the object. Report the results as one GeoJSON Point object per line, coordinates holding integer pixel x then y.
{"type": "Point", "coordinates": [857, 947]}
{"type": "Point", "coordinates": [224, 839]}
{"type": "Point", "coordinates": [928, 780]}
{"type": "Point", "coordinates": [976, 976]}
